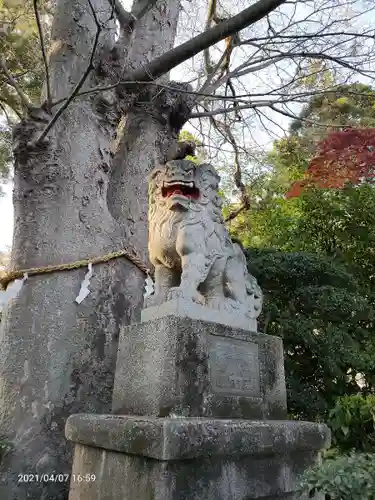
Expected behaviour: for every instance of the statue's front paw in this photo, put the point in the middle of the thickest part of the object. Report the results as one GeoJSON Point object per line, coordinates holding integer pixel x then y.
{"type": "Point", "coordinates": [175, 293]}
{"type": "Point", "coordinates": [182, 293]}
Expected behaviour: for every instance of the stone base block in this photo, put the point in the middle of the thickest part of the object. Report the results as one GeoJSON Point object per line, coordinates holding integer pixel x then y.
{"type": "Point", "coordinates": [185, 309]}
{"type": "Point", "coordinates": [176, 366]}
{"type": "Point", "coordinates": [141, 458]}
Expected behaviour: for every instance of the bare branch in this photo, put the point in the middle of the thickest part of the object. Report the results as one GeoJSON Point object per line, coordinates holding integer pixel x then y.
{"type": "Point", "coordinates": [316, 55]}
{"type": "Point", "coordinates": [4, 109]}
{"type": "Point", "coordinates": [211, 16]}
{"type": "Point", "coordinates": [220, 111]}
{"type": "Point", "coordinates": [81, 82]}
{"type": "Point", "coordinates": [211, 76]}
{"type": "Point", "coordinates": [174, 57]}
{"type": "Point", "coordinates": [11, 81]}
{"type": "Point", "coordinates": [307, 36]}
{"type": "Point", "coordinates": [236, 72]}
{"type": "Point", "coordinates": [232, 215]}
{"type": "Point", "coordinates": [226, 132]}
{"type": "Point", "coordinates": [245, 202]}
{"type": "Point", "coordinates": [43, 49]}
{"type": "Point", "coordinates": [295, 117]}
{"type": "Point", "coordinates": [13, 108]}
{"type": "Point", "coordinates": [178, 55]}
{"type": "Point", "coordinates": [157, 84]}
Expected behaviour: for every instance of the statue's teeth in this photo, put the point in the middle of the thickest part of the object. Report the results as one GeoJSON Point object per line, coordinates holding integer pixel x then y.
{"type": "Point", "coordinates": [179, 183]}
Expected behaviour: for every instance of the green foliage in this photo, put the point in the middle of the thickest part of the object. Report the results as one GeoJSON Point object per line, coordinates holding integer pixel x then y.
{"type": "Point", "coordinates": [186, 136]}
{"type": "Point", "coordinates": [347, 105]}
{"type": "Point", "coordinates": [348, 477]}
{"type": "Point", "coordinates": [271, 224]}
{"type": "Point", "coordinates": [5, 152]}
{"type": "Point", "coordinates": [321, 312]}
{"type": "Point", "coordinates": [314, 259]}
{"type": "Point", "coordinates": [19, 45]}
{"type": "Point", "coordinates": [340, 223]}
{"type": "Point", "coordinates": [334, 222]}
{"type": "Point", "coordinates": [352, 420]}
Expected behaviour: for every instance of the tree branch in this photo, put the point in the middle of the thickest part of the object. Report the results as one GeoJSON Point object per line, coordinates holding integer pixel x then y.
{"type": "Point", "coordinates": [235, 73]}
{"type": "Point", "coordinates": [226, 132]}
{"type": "Point", "coordinates": [211, 76]}
{"type": "Point", "coordinates": [25, 101]}
{"type": "Point", "coordinates": [310, 122]}
{"type": "Point", "coordinates": [178, 55]}
{"type": "Point", "coordinates": [7, 115]}
{"type": "Point", "coordinates": [43, 49]}
{"type": "Point", "coordinates": [232, 215]}
{"type": "Point", "coordinates": [14, 109]}
{"type": "Point", "coordinates": [215, 97]}
{"type": "Point", "coordinates": [220, 111]}
{"type": "Point", "coordinates": [245, 202]}
{"type": "Point", "coordinates": [211, 15]}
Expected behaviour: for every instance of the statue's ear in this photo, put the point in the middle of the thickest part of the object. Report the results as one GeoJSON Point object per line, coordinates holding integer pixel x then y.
{"type": "Point", "coordinates": [206, 169]}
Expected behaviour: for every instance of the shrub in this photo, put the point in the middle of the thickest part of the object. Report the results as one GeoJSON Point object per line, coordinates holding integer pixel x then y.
{"type": "Point", "coordinates": [352, 421]}
{"type": "Point", "coordinates": [347, 477]}
{"type": "Point", "coordinates": [326, 320]}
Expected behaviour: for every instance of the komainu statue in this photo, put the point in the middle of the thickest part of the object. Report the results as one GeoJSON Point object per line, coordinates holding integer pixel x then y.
{"type": "Point", "coordinates": [193, 254]}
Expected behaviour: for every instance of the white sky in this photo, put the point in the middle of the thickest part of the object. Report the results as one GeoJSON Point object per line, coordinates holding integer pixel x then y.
{"type": "Point", "coordinates": [6, 217]}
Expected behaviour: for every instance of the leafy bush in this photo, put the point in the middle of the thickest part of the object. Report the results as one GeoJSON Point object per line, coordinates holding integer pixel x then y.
{"type": "Point", "coordinates": [348, 477]}
{"type": "Point", "coordinates": [326, 320]}
{"type": "Point", "coordinates": [352, 421]}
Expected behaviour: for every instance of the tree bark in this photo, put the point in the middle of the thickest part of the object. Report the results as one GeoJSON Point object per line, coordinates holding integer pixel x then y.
{"type": "Point", "coordinates": [146, 135]}
{"type": "Point", "coordinates": [58, 357]}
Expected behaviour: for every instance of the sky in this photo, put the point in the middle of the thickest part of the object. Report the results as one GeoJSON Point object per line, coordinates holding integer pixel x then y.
{"type": "Point", "coordinates": [6, 217]}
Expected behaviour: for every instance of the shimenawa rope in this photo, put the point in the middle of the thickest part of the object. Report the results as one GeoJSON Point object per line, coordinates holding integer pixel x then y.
{"type": "Point", "coordinates": [7, 276]}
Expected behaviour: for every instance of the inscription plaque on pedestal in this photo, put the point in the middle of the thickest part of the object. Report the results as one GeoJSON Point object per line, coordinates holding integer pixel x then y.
{"type": "Point", "coordinates": [192, 368]}
{"type": "Point", "coordinates": [234, 367]}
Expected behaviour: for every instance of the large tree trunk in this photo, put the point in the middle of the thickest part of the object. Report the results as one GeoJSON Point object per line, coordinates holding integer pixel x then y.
{"type": "Point", "coordinates": [58, 357]}
{"type": "Point", "coordinates": [146, 137]}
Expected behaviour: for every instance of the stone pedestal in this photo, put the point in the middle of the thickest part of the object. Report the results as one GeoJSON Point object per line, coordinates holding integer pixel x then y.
{"type": "Point", "coordinates": [188, 367]}
{"type": "Point", "coordinates": [143, 458]}
{"type": "Point", "coordinates": [190, 310]}
{"type": "Point", "coordinates": [199, 414]}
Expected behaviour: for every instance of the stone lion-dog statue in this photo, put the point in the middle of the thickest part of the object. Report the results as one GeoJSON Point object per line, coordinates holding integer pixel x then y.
{"type": "Point", "coordinates": [189, 245]}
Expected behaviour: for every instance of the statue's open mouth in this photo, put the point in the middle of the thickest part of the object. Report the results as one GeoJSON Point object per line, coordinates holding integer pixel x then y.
{"type": "Point", "coordinates": [180, 188]}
